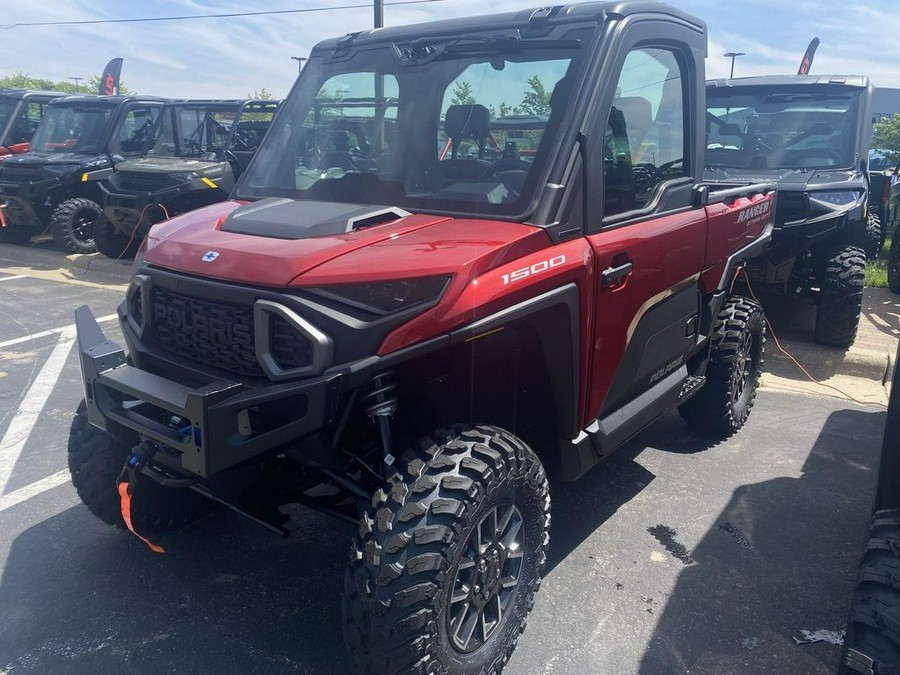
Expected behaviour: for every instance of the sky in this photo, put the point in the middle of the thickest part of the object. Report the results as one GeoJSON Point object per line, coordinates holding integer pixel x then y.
{"type": "Point", "coordinates": [232, 57]}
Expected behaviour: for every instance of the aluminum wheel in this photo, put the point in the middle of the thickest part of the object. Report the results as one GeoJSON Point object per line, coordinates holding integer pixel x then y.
{"type": "Point", "coordinates": [486, 577]}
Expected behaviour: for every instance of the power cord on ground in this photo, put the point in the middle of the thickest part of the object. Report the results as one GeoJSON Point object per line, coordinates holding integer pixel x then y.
{"type": "Point", "coordinates": [784, 351]}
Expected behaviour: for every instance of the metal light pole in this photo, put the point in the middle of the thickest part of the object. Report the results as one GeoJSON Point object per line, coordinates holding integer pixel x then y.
{"type": "Point", "coordinates": [300, 60]}
{"type": "Point", "coordinates": [77, 80]}
{"type": "Point", "coordinates": [379, 13]}
{"type": "Point", "coordinates": [733, 56]}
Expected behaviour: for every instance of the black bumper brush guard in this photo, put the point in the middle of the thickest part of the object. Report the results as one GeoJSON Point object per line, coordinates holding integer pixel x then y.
{"type": "Point", "coordinates": [201, 431]}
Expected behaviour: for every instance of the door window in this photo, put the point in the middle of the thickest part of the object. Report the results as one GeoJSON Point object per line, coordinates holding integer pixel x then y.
{"type": "Point", "coordinates": [644, 142]}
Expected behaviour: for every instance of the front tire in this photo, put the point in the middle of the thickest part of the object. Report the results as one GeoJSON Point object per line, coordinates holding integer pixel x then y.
{"type": "Point", "coordinates": [72, 225]}
{"type": "Point", "coordinates": [840, 298]}
{"type": "Point", "coordinates": [95, 460]}
{"type": "Point", "coordinates": [449, 557]}
{"type": "Point", "coordinates": [723, 404]}
{"type": "Point", "coordinates": [112, 243]}
{"type": "Point", "coordinates": [872, 643]}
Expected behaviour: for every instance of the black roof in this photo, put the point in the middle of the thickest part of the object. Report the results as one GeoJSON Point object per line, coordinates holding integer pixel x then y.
{"type": "Point", "coordinates": [556, 15]}
{"type": "Point", "coordinates": [107, 100]}
{"type": "Point", "coordinates": [19, 94]}
{"type": "Point", "coordinates": [860, 81]}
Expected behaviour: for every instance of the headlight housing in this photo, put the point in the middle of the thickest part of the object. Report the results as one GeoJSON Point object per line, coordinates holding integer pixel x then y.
{"type": "Point", "coordinates": [382, 298]}
{"type": "Point", "coordinates": [836, 197]}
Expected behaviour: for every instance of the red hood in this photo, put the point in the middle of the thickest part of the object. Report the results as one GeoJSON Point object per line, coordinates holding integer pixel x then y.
{"type": "Point", "coordinates": [182, 244]}
{"type": "Point", "coordinates": [204, 243]}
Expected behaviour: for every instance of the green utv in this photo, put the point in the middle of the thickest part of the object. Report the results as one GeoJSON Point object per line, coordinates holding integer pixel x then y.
{"type": "Point", "coordinates": [55, 186]}
{"type": "Point", "coordinates": [195, 153]}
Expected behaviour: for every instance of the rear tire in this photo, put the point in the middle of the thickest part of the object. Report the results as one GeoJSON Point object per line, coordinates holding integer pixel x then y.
{"type": "Point", "coordinates": [872, 642]}
{"type": "Point", "coordinates": [451, 544]}
{"type": "Point", "coordinates": [840, 298]}
{"type": "Point", "coordinates": [95, 460]}
{"type": "Point", "coordinates": [72, 225]}
{"type": "Point", "coordinates": [723, 404]}
{"type": "Point", "coordinates": [893, 266]}
{"type": "Point", "coordinates": [112, 243]}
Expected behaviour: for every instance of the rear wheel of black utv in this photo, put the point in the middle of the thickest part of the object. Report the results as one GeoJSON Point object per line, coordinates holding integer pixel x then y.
{"type": "Point", "coordinates": [112, 243]}
{"type": "Point", "coordinates": [723, 404]}
{"type": "Point", "coordinates": [840, 297]}
{"type": "Point", "coordinates": [72, 225]}
{"type": "Point", "coordinates": [95, 460]}
{"type": "Point", "coordinates": [893, 267]}
{"type": "Point", "coordinates": [449, 557]}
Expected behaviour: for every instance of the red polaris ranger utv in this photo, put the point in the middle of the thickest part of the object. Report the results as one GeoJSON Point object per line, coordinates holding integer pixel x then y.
{"type": "Point", "coordinates": [402, 321]}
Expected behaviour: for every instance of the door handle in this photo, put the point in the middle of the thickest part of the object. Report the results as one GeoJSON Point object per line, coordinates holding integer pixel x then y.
{"type": "Point", "coordinates": [615, 276]}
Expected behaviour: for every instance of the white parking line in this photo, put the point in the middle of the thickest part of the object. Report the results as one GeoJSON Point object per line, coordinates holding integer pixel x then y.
{"type": "Point", "coordinates": [53, 331]}
{"type": "Point", "coordinates": [18, 276]}
{"type": "Point", "coordinates": [32, 405]}
{"type": "Point", "coordinates": [33, 489]}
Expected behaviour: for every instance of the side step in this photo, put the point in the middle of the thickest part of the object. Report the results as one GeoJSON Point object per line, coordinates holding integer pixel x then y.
{"type": "Point", "coordinates": [690, 387]}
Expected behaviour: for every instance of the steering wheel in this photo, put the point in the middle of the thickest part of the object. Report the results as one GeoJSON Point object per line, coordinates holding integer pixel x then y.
{"type": "Point", "coordinates": [657, 173]}
{"type": "Point", "coordinates": [502, 165]}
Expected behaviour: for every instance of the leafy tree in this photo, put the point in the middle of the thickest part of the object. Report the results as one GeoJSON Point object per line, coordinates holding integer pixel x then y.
{"type": "Point", "coordinates": [22, 80]}
{"type": "Point", "coordinates": [537, 101]}
{"type": "Point", "coordinates": [462, 94]}
{"type": "Point", "coordinates": [887, 137]}
{"type": "Point", "coordinates": [263, 94]}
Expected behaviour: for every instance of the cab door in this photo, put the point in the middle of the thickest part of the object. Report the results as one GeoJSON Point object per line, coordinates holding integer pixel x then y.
{"type": "Point", "coordinates": [649, 244]}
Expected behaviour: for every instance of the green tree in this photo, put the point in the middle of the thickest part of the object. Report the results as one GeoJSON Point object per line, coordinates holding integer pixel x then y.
{"type": "Point", "coordinates": [21, 80]}
{"type": "Point", "coordinates": [887, 137]}
{"type": "Point", "coordinates": [537, 101]}
{"type": "Point", "coordinates": [462, 94]}
{"type": "Point", "coordinates": [262, 94]}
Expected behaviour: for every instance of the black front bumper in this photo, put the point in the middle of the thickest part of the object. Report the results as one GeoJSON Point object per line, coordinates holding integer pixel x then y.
{"type": "Point", "coordinates": [202, 430]}
{"type": "Point", "coordinates": [24, 201]}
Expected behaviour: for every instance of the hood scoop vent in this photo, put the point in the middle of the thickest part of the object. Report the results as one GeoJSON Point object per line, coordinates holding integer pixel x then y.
{"type": "Point", "coordinates": [280, 218]}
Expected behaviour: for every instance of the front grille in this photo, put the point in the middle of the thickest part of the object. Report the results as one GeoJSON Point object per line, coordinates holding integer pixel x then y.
{"type": "Point", "coordinates": [21, 174]}
{"type": "Point", "coordinates": [791, 206]}
{"type": "Point", "coordinates": [142, 182]}
{"type": "Point", "coordinates": [222, 334]}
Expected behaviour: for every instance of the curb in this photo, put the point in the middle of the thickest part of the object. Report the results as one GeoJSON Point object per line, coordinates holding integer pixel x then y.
{"type": "Point", "coordinates": [96, 262]}
{"type": "Point", "coordinates": [825, 362]}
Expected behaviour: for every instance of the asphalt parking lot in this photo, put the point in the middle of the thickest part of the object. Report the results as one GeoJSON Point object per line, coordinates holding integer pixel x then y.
{"type": "Point", "coordinates": [672, 557]}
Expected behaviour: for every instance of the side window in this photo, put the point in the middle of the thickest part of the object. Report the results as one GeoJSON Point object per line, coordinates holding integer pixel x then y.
{"type": "Point", "coordinates": [135, 129]}
{"type": "Point", "coordinates": [645, 133]}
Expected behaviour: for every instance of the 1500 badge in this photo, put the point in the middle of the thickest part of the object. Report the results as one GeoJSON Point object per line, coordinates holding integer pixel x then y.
{"type": "Point", "coordinates": [537, 268]}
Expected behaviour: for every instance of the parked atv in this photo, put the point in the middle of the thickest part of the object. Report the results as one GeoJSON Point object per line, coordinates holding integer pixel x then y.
{"type": "Point", "coordinates": [872, 643]}
{"type": "Point", "coordinates": [196, 151]}
{"type": "Point", "coordinates": [21, 111]}
{"type": "Point", "coordinates": [408, 335]}
{"type": "Point", "coordinates": [55, 185]}
{"type": "Point", "coordinates": [811, 135]}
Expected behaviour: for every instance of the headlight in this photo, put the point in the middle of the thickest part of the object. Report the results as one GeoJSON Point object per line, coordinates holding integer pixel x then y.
{"type": "Point", "coordinates": [215, 172]}
{"type": "Point", "coordinates": [61, 168]}
{"type": "Point", "coordinates": [836, 197]}
{"type": "Point", "coordinates": [387, 297]}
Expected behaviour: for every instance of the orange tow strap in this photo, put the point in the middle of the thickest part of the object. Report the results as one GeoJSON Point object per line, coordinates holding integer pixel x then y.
{"type": "Point", "coordinates": [125, 500]}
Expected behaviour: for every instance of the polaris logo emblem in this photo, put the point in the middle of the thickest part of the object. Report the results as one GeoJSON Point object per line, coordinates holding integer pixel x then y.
{"type": "Point", "coordinates": [753, 211]}
{"type": "Point", "coordinates": [209, 256]}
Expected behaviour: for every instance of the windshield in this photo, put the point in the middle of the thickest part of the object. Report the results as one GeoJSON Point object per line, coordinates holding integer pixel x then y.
{"type": "Point", "coordinates": [72, 128]}
{"type": "Point", "coordinates": [7, 108]}
{"type": "Point", "coordinates": [780, 130]}
{"type": "Point", "coordinates": [192, 131]}
{"type": "Point", "coordinates": [461, 129]}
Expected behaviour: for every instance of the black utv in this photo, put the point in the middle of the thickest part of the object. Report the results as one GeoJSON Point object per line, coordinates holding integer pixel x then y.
{"type": "Point", "coordinates": [811, 135]}
{"type": "Point", "coordinates": [21, 111]}
{"type": "Point", "coordinates": [196, 151]}
{"type": "Point", "coordinates": [55, 185]}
